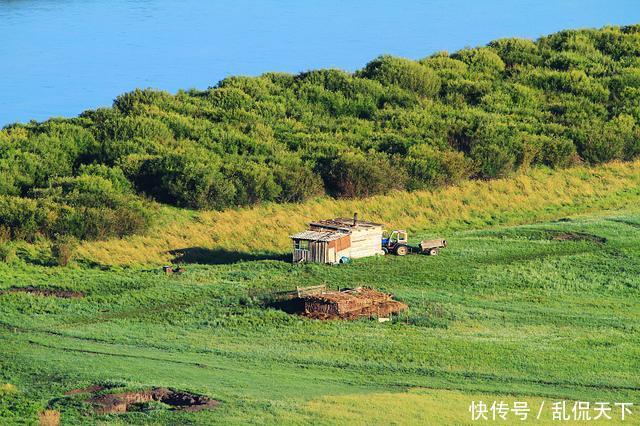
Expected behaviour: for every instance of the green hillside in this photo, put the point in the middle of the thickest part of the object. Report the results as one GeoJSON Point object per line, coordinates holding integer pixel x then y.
{"type": "Point", "coordinates": [567, 98]}
{"type": "Point", "coordinates": [543, 312]}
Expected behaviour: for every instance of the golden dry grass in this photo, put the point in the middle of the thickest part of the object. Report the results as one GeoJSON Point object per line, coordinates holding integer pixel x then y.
{"type": "Point", "coordinates": [7, 388]}
{"type": "Point", "coordinates": [49, 418]}
{"type": "Point", "coordinates": [535, 196]}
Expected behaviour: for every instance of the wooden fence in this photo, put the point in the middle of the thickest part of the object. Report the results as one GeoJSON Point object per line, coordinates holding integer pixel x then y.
{"type": "Point", "coordinates": [308, 291]}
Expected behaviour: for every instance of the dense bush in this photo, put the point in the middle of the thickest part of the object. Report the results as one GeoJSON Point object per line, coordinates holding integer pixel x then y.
{"type": "Point", "coordinates": [63, 249]}
{"type": "Point", "coordinates": [484, 112]}
{"type": "Point", "coordinates": [429, 167]}
{"type": "Point", "coordinates": [408, 75]}
{"type": "Point", "coordinates": [7, 252]}
{"type": "Point", "coordinates": [357, 174]}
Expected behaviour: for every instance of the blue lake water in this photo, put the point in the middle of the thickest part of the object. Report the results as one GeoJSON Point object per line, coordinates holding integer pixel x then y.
{"type": "Point", "coordinates": [60, 57]}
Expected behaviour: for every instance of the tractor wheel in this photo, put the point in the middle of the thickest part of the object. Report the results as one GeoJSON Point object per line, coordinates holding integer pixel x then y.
{"type": "Point", "coordinates": [385, 250]}
{"type": "Point", "coordinates": [433, 252]}
{"type": "Point", "coordinates": [402, 250]}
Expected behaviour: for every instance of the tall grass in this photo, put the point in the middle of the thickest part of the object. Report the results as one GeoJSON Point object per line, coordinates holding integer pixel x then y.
{"type": "Point", "coordinates": [541, 194]}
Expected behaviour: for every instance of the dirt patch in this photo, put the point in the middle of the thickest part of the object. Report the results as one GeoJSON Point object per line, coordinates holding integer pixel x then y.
{"type": "Point", "coordinates": [544, 234]}
{"type": "Point", "coordinates": [88, 389]}
{"type": "Point", "coordinates": [41, 291]}
{"type": "Point", "coordinates": [123, 402]}
{"type": "Point", "coordinates": [349, 304]}
{"type": "Point", "coordinates": [578, 236]}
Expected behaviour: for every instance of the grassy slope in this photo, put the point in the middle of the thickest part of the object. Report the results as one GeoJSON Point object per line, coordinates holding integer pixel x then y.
{"type": "Point", "coordinates": [504, 313]}
{"type": "Point", "coordinates": [240, 234]}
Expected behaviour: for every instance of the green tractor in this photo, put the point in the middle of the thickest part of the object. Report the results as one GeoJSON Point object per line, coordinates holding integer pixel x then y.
{"type": "Point", "coordinates": [397, 242]}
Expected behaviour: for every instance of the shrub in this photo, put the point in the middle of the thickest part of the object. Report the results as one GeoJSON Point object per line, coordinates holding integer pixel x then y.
{"type": "Point", "coordinates": [63, 249]}
{"type": "Point", "coordinates": [7, 252]}
{"type": "Point", "coordinates": [16, 407]}
{"type": "Point", "coordinates": [481, 60]}
{"type": "Point", "coordinates": [429, 167]}
{"type": "Point", "coordinates": [21, 215]}
{"type": "Point", "coordinates": [229, 98]}
{"type": "Point", "coordinates": [353, 174]}
{"type": "Point", "coordinates": [404, 73]}
{"type": "Point", "coordinates": [114, 175]}
{"type": "Point", "coordinates": [297, 181]}
{"type": "Point", "coordinates": [600, 142]}
{"type": "Point", "coordinates": [127, 102]}
{"type": "Point", "coordinates": [548, 150]}
{"type": "Point", "coordinates": [184, 179]}
{"type": "Point", "coordinates": [492, 160]}
{"type": "Point", "coordinates": [517, 51]}
{"type": "Point", "coordinates": [557, 152]}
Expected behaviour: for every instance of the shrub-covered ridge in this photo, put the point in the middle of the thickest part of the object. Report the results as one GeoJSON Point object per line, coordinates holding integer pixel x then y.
{"type": "Point", "coordinates": [484, 112]}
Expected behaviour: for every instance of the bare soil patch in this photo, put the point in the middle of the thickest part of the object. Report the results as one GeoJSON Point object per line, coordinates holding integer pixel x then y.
{"type": "Point", "coordinates": [123, 402]}
{"type": "Point", "coordinates": [43, 291]}
{"type": "Point", "coordinates": [546, 234]}
{"type": "Point", "coordinates": [578, 236]}
{"type": "Point", "coordinates": [88, 389]}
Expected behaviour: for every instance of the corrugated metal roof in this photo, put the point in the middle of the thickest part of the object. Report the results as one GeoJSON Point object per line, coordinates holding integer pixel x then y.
{"type": "Point", "coordinates": [318, 235]}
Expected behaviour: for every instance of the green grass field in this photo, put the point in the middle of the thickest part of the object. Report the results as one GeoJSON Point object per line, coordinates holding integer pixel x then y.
{"type": "Point", "coordinates": [541, 312]}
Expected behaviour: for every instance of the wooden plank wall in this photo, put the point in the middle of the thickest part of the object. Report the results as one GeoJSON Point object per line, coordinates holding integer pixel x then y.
{"type": "Point", "coordinates": [366, 242]}
{"type": "Point", "coordinates": [343, 243]}
{"type": "Point", "coordinates": [300, 255]}
{"type": "Point", "coordinates": [319, 251]}
{"type": "Point", "coordinates": [361, 243]}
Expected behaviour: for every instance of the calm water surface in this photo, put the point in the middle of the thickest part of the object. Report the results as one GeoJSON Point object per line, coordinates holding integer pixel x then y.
{"type": "Point", "coordinates": [60, 57]}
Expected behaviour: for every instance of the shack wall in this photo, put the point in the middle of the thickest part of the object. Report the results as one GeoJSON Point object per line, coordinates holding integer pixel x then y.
{"type": "Point", "coordinates": [322, 251]}
{"type": "Point", "coordinates": [341, 243]}
{"type": "Point", "coordinates": [366, 242]}
{"type": "Point", "coordinates": [318, 252]}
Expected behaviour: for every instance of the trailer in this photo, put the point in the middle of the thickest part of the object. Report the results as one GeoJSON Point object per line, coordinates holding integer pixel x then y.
{"type": "Point", "coordinates": [432, 247]}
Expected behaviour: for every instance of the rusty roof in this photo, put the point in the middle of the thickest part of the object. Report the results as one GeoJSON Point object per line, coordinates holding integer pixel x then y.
{"type": "Point", "coordinates": [344, 223]}
{"type": "Point", "coordinates": [318, 235]}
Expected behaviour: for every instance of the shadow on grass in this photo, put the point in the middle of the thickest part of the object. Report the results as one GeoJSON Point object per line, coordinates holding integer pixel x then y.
{"type": "Point", "coordinates": [206, 256]}
{"type": "Point", "coordinates": [290, 306]}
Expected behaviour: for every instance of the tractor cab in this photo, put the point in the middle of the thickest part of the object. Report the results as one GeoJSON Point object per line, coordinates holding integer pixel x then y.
{"type": "Point", "coordinates": [395, 242]}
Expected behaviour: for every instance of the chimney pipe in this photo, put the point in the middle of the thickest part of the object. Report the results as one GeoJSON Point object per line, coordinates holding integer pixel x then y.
{"type": "Point", "coordinates": [355, 219]}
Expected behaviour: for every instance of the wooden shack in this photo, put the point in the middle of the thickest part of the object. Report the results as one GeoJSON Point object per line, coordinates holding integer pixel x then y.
{"type": "Point", "coordinates": [320, 246]}
{"type": "Point", "coordinates": [328, 241]}
{"type": "Point", "coordinates": [366, 237]}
